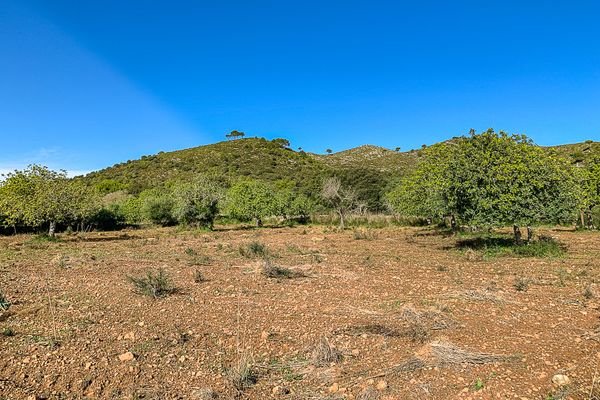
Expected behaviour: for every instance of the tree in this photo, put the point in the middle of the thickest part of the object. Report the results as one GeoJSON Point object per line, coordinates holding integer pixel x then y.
{"type": "Point", "coordinates": [588, 178]}
{"type": "Point", "coordinates": [341, 199]}
{"type": "Point", "coordinates": [490, 179]}
{"type": "Point", "coordinates": [251, 200]}
{"type": "Point", "coordinates": [283, 143]}
{"type": "Point", "coordinates": [328, 151]}
{"type": "Point", "coordinates": [291, 204]}
{"type": "Point", "coordinates": [197, 202]}
{"type": "Point", "coordinates": [156, 206]}
{"type": "Point", "coordinates": [37, 196]}
{"type": "Point", "coordinates": [235, 135]}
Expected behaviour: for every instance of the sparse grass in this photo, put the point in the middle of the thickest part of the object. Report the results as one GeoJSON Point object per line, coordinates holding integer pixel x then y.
{"type": "Point", "coordinates": [4, 303]}
{"type": "Point", "coordinates": [588, 293]}
{"type": "Point", "coordinates": [324, 353]}
{"type": "Point", "coordinates": [271, 270]}
{"type": "Point", "coordinates": [369, 393]}
{"type": "Point", "coordinates": [8, 332]}
{"type": "Point", "coordinates": [364, 234]}
{"type": "Point", "coordinates": [254, 250]}
{"type": "Point", "coordinates": [199, 276]}
{"type": "Point", "coordinates": [497, 245]}
{"type": "Point", "coordinates": [154, 284]}
{"type": "Point", "coordinates": [521, 284]}
{"type": "Point", "coordinates": [241, 374]}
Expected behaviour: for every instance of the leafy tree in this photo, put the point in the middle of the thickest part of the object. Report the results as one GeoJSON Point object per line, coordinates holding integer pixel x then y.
{"type": "Point", "coordinates": [197, 202]}
{"type": "Point", "coordinates": [251, 200]}
{"type": "Point", "coordinates": [328, 151]}
{"type": "Point", "coordinates": [588, 177]}
{"type": "Point", "coordinates": [490, 179]}
{"type": "Point", "coordinates": [341, 199]}
{"type": "Point", "coordinates": [37, 196]}
{"type": "Point", "coordinates": [289, 203]}
{"type": "Point", "coordinates": [157, 206]}
{"type": "Point", "coordinates": [235, 135]}
{"type": "Point", "coordinates": [283, 143]}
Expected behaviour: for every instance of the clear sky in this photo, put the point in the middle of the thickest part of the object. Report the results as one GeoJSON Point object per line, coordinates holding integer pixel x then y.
{"type": "Point", "coordinates": [86, 84]}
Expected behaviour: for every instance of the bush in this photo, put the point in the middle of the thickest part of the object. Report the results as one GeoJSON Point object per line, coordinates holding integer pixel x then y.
{"type": "Point", "coordinates": [157, 207]}
{"type": "Point", "coordinates": [155, 284]}
{"type": "Point", "coordinates": [197, 203]}
{"type": "Point", "coordinates": [253, 250]}
{"type": "Point", "coordinates": [4, 303]}
{"type": "Point", "coordinates": [271, 270]}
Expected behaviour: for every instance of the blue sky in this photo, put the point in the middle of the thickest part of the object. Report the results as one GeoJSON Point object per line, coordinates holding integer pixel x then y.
{"type": "Point", "coordinates": [86, 84]}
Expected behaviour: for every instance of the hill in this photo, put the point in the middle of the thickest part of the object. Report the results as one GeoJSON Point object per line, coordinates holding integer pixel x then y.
{"type": "Point", "coordinates": [371, 170]}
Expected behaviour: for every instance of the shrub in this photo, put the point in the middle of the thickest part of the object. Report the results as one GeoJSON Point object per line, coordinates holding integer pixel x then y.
{"type": "Point", "coordinates": [197, 203]}
{"type": "Point", "coordinates": [521, 284]}
{"type": "Point", "coordinates": [199, 276]}
{"type": "Point", "coordinates": [155, 284]}
{"type": "Point", "coordinates": [157, 207]}
{"type": "Point", "coordinates": [254, 249]}
{"type": "Point", "coordinates": [241, 374]}
{"type": "Point", "coordinates": [271, 270]}
{"type": "Point", "coordinates": [324, 353]}
{"type": "Point", "coordinates": [4, 303]}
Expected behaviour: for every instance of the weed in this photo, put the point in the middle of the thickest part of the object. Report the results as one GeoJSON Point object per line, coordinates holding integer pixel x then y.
{"type": "Point", "coordinates": [8, 332]}
{"type": "Point", "coordinates": [442, 268]}
{"type": "Point", "coordinates": [4, 303]}
{"type": "Point", "coordinates": [478, 384]}
{"type": "Point", "coordinates": [199, 276]}
{"type": "Point", "coordinates": [241, 374]}
{"type": "Point", "coordinates": [155, 284]}
{"type": "Point", "coordinates": [271, 270]}
{"type": "Point", "coordinates": [363, 234]}
{"type": "Point", "coordinates": [254, 250]}
{"type": "Point", "coordinates": [521, 284]}
{"type": "Point", "coordinates": [588, 293]}
{"type": "Point", "coordinates": [325, 353]}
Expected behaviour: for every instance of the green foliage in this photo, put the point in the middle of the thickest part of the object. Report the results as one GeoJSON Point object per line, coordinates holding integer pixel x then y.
{"type": "Point", "coordinates": [197, 202]}
{"type": "Point", "coordinates": [154, 284]}
{"type": "Point", "coordinates": [251, 200]}
{"type": "Point", "coordinates": [38, 196]}
{"type": "Point", "coordinates": [289, 203]}
{"type": "Point", "coordinates": [254, 249]}
{"type": "Point", "coordinates": [489, 179]}
{"type": "Point", "coordinates": [157, 206]}
{"type": "Point", "coordinates": [4, 303]}
{"type": "Point", "coordinates": [500, 245]}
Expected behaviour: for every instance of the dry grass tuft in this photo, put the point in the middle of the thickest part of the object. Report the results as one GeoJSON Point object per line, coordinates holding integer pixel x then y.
{"type": "Point", "coordinates": [154, 284]}
{"type": "Point", "coordinates": [241, 375]}
{"type": "Point", "coordinates": [206, 394]}
{"type": "Point", "coordinates": [419, 324]}
{"type": "Point", "coordinates": [325, 353]}
{"type": "Point", "coordinates": [482, 295]}
{"type": "Point", "coordinates": [444, 354]}
{"type": "Point", "coordinates": [271, 270]}
{"type": "Point", "coordinates": [368, 394]}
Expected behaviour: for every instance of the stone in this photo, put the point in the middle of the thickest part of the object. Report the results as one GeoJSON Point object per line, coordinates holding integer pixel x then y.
{"type": "Point", "coordinates": [334, 388]}
{"type": "Point", "coordinates": [382, 385]}
{"type": "Point", "coordinates": [127, 356]}
{"type": "Point", "coordinates": [561, 380]}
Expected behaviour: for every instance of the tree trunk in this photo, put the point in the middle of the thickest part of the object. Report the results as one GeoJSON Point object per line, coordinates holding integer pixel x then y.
{"type": "Point", "coordinates": [529, 234]}
{"type": "Point", "coordinates": [582, 217]}
{"type": "Point", "coordinates": [342, 221]}
{"type": "Point", "coordinates": [517, 233]}
{"type": "Point", "coordinates": [259, 222]}
{"type": "Point", "coordinates": [52, 229]}
{"type": "Point", "coordinates": [453, 223]}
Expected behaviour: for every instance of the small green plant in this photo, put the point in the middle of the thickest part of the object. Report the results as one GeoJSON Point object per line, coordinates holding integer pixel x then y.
{"type": "Point", "coordinates": [154, 284]}
{"type": "Point", "coordinates": [478, 384]}
{"type": "Point", "coordinates": [521, 284]}
{"type": "Point", "coordinates": [254, 250]}
{"type": "Point", "coordinates": [4, 303]}
{"type": "Point", "coordinates": [8, 332]}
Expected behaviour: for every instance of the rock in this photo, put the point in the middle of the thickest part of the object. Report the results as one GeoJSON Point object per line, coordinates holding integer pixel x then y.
{"type": "Point", "coordinates": [280, 390]}
{"type": "Point", "coordinates": [382, 385]}
{"type": "Point", "coordinates": [334, 388]}
{"type": "Point", "coordinates": [129, 336]}
{"type": "Point", "coordinates": [561, 380]}
{"type": "Point", "coordinates": [127, 356]}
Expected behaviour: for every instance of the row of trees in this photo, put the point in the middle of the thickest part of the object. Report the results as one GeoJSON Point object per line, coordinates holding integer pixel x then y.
{"type": "Point", "coordinates": [38, 198]}
{"type": "Point", "coordinates": [496, 179]}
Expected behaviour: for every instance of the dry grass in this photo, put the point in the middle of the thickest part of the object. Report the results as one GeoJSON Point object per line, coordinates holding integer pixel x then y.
{"type": "Point", "coordinates": [324, 353]}
{"type": "Point", "coordinates": [154, 284]}
{"type": "Point", "coordinates": [241, 374]}
{"type": "Point", "coordinates": [271, 270]}
{"type": "Point", "coordinates": [368, 394]}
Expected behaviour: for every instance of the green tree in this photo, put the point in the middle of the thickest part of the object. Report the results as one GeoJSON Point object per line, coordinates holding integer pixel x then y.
{"type": "Point", "coordinates": [235, 135]}
{"type": "Point", "coordinates": [157, 205]}
{"type": "Point", "coordinates": [490, 179]}
{"type": "Point", "coordinates": [289, 203]}
{"type": "Point", "coordinates": [38, 196]}
{"type": "Point", "coordinates": [197, 202]}
{"type": "Point", "coordinates": [251, 200]}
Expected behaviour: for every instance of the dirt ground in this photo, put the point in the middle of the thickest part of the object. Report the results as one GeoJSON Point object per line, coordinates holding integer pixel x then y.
{"type": "Point", "coordinates": [406, 316]}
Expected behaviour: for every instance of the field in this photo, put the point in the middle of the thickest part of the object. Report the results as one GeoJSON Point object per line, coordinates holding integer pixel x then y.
{"type": "Point", "coordinates": [393, 313]}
